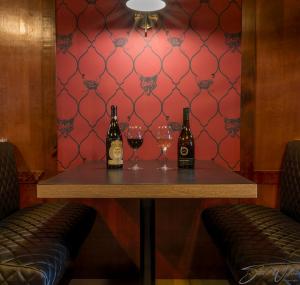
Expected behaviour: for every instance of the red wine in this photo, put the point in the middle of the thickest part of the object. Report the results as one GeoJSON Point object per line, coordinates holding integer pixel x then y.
{"type": "Point", "coordinates": [135, 143]}
{"type": "Point", "coordinates": [114, 142]}
{"type": "Point", "coordinates": [186, 145]}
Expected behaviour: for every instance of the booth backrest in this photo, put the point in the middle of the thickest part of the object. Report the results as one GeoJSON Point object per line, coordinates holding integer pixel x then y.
{"type": "Point", "coordinates": [9, 188]}
{"type": "Point", "coordinates": [290, 181]}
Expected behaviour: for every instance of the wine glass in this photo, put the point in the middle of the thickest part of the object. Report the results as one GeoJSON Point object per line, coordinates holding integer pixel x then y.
{"type": "Point", "coordinates": [135, 141]}
{"type": "Point", "coordinates": [164, 138]}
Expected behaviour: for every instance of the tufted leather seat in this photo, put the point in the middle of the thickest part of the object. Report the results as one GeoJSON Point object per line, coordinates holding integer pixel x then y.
{"type": "Point", "coordinates": [262, 245]}
{"type": "Point", "coordinates": [36, 243]}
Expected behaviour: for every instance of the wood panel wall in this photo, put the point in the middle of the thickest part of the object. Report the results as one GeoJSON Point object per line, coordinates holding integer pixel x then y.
{"type": "Point", "coordinates": [248, 82]}
{"type": "Point", "coordinates": [27, 81]}
{"type": "Point", "coordinates": [277, 80]}
{"type": "Point", "coordinates": [270, 90]}
{"type": "Point", "coordinates": [270, 117]}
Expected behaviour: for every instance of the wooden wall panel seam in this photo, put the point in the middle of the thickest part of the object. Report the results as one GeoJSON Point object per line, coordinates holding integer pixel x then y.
{"type": "Point", "coordinates": [248, 89]}
{"type": "Point", "coordinates": [48, 83]}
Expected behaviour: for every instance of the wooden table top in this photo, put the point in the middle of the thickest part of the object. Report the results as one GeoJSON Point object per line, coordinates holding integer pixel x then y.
{"type": "Point", "coordinates": [93, 180]}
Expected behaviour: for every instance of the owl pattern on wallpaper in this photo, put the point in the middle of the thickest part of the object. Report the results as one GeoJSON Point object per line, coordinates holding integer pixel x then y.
{"type": "Point", "coordinates": [192, 58]}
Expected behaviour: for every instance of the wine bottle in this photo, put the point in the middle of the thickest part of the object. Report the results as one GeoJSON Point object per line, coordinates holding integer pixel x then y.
{"type": "Point", "coordinates": [186, 145]}
{"type": "Point", "coordinates": [114, 142]}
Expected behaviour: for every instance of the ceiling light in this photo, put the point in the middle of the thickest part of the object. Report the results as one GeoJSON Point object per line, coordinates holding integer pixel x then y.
{"type": "Point", "coordinates": [146, 5]}
{"type": "Point", "coordinates": [145, 16]}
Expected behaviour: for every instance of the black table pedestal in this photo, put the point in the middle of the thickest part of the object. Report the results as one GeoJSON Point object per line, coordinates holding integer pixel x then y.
{"type": "Point", "coordinates": [147, 241]}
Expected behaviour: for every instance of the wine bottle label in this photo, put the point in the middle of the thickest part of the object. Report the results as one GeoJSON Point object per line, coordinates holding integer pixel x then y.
{"type": "Point", "coordinates": [116, 153]}
{"type": "Point", "coordinates": [186, 157]}
{"type": "Point", "coordinates": [186, 162]}
{"type": "Point", "coordinates": [184, 151]}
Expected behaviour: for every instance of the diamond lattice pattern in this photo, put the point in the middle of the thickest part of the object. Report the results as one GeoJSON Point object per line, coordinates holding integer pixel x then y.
{"type": "Point", "coordinates": [192, 58]}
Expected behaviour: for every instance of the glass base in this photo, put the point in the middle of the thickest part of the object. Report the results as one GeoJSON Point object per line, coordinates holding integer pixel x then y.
{"type": "Point", "coordinates": [135, 167]}
{"type": "Point", "coordinates": [165, 168]}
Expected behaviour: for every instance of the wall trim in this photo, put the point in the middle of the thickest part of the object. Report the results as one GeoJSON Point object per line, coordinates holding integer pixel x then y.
{"type": "Point", "coordinates": [30, 177]}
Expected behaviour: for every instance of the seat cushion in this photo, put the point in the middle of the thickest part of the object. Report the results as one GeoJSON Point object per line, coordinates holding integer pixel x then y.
{"type": "Point", "coordinates": [33, 261]}
{"type": "Point", "coordinates": [290, 181]}
{"type": "Point", "coordinates": [36, 243]}
{"type": "Point", "coordinates": [68, 223]}
{"type": "Point", "coordinates": [261, 245]}
{"type": "Point", "coordinates": [9, 188]}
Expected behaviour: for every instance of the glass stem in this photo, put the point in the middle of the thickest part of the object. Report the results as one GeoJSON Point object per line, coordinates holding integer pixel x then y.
{"type": "Point", "coordinates": [135, 156]}
{"type": "Point", "coordinates": [165, 156]}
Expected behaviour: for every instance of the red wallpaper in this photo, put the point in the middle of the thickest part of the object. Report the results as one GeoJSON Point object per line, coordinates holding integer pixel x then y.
{"type": "Point", "coordinates": [192, 58]}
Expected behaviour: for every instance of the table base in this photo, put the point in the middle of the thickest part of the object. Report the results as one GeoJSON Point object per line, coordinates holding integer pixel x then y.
{"type": "Point", "coordinates": [147, 241]}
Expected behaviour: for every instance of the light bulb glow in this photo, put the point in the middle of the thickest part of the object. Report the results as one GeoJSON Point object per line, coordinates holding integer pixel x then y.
{"type": "Point", "coordinates": [146, 5]}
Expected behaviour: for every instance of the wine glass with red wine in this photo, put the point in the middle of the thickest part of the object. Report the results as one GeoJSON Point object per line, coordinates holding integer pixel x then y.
{"type": "Point", "coordinates": [135, 141]}
{"type": "Point", "coordinates": [164, 139]}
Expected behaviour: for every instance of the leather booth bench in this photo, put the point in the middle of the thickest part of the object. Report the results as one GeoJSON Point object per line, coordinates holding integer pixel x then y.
{"type": "Point", "coordinates": [36, 243]}
{"type": "Point", "coordinates": [262, 245]}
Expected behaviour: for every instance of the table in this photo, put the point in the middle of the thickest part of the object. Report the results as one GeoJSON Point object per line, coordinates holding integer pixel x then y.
{"type": "Point", "coordinates": [93, 180]}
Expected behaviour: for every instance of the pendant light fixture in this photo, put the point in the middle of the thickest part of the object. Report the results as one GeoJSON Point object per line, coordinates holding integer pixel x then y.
{"type": "Point", "coordinates": [145, 16]}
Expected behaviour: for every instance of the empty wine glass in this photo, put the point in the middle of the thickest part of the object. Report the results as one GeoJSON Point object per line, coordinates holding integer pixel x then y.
{"type": "Point", "coordinates": [135, 141]}
{"type": "Point", "coordinates": [164, 138]}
